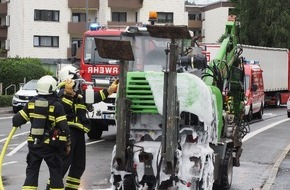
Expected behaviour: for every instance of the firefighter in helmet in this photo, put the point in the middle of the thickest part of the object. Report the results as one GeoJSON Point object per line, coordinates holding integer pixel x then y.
{"type": "Point", "coordinates": [49, 137]}
{"type": "Point", "coordinates": [73, 100]}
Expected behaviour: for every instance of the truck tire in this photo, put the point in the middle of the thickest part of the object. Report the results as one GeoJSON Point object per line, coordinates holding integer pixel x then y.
{"type": "Point", "coordinates": [250, 115]}
{"type": "Point", "coordinates": [96, 129]}
{"type": "Point", "coordinates": [260, 113]}
{"type": "Point", "coordinates": [226, 171]}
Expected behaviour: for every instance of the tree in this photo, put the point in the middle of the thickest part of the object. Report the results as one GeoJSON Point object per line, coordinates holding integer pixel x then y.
{"type": "Point", "coordinates": [264, 22]}
{"type": "Point", "coordinates": [14, 70]}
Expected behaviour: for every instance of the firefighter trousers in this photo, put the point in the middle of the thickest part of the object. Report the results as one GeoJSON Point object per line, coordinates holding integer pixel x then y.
{"type": "Point", "coordinates": [75, 162]}
{"type": "Point", "coordinates": [53, 159]}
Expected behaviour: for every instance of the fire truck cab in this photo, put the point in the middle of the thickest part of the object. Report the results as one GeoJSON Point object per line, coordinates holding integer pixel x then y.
{"type": "Point", "coordinates": [100, 72]}
{"type": "Point", "coordinates": [254, 90]}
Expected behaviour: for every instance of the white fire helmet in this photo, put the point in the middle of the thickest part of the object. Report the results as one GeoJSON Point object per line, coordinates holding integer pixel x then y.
{"type": "Point", "coordinates": [67, 72]}
{"type": "Point", "coordinates": [46, 85]}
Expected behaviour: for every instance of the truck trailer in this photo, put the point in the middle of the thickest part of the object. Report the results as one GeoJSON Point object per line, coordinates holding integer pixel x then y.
{"type": "Point", "coordinates": [275, 65]}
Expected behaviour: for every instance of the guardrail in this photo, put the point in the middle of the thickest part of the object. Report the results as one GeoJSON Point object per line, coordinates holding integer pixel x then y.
{"type": "Point", "coordinates": [11, 85]}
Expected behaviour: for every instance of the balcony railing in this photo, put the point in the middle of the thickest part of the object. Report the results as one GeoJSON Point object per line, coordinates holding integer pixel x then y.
{"type": "Point", "coordinates": [76, 28]}
{"type": "Point", "coordinates": [92, 4]}
{"type": "Point", "coordinates": [127, 4]}
{"type": "Point", "coordinates": [194, 24]}
{"type": "Point", "coordinates": [3, 32]}
{"type": "Point", "coordinates": [115, 24]}
{"type": "Point", "coordinates": [3, 8]}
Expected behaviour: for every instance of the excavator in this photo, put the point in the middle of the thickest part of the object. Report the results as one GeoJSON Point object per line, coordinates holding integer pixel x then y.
{"type": "Point", "coordinates": [179, 120]}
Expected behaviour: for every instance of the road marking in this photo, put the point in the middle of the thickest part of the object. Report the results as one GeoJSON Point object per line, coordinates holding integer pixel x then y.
{"type": "Point", "coordinates": [19, 134]}
{"type": "Point", "coordinates": [2, 118]}
{"type": "Point", "coordinates": [17, 148]}
{"type": "Point", "coordinates": [94, 142]}
{"type": "Point", "coordinates": [254, 133]}
{"type": "Point", "coordinates": [7, 163]}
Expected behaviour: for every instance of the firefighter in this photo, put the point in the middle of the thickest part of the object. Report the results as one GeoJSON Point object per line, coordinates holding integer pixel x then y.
{"type": "Point", "coordinates": [73, 100]}
{"type": "Point", "coordinates": [49, 137]}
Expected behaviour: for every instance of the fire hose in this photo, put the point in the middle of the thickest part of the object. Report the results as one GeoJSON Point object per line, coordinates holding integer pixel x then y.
{"type": "Point", "coordinates": [3, 152]}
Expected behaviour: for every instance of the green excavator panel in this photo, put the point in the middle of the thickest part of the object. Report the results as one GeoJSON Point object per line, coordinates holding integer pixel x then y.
{"type": "Point", "coordinates": [139, 92]}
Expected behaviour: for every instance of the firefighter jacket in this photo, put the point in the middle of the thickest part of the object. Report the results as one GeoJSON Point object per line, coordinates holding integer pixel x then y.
{"type": "Point", "coordinates": [48, 121]}
{"type": "Point", "coordinates": [76, 108]}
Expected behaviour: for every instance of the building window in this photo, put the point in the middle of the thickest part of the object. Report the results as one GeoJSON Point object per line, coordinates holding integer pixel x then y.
{"type": "Point", "coordinates": [164, 17]}
{"type": "Point", "coordinates": [79, 17]}
{"type": "Point", "coordinates": [191, 17]}
{"type": "Point", "coordinates": [45, 41]}
{"type": "Point", "coordinates": [78, 41]}
{"type": "Point", "coordinates": [199, 16]}
{"type": "Point", "coordinates": [46, 15]}
{"type": "Point", "coordinates": [119, 16]}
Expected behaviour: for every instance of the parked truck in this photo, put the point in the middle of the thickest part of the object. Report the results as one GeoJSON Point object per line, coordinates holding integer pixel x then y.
{"type": "Point", "coordinates": [179, 121]}
{"type": "Point", "coordinates": [275, 65]}
{"type": "Point", "coordinates": [101, 72]}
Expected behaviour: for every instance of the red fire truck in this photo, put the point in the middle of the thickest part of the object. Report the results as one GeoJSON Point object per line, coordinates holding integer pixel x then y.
{"type": "Point", "coordinates": [254, 90]}
{"type": "Point", "coordinates": [101, 72]}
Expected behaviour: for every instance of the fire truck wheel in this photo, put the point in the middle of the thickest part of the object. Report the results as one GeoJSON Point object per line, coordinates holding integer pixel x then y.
{"type": "Point", "coordinates": [250, 115]}
{"type": "Point", "coordinates": [260, 113]}
{"type": "Point", "coordinates": [96, 129]}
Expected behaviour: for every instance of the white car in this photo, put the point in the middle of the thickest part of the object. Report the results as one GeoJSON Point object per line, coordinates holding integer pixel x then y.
{"type": "Point", "coordinates": [22, 96]}
{"type": "Point", "coordinates": [288, 107]}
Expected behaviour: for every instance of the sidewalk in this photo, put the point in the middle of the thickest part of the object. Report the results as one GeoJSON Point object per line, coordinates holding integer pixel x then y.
{"type": "Point", "coordinates": [6, 110]}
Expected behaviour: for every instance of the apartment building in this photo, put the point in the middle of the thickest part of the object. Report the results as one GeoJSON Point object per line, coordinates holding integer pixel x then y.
{"type": "Point", "coordinates": [46, 29]}
{"type": "Point", "coordinates": [4, 23]}
{"type": "Point", "coordinates": [208, 21]}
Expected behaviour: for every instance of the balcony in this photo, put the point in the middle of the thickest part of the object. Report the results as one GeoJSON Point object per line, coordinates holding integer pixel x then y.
{"type": "Point", "coordinates": [127, 4]}
{"type": "Point", "coordinates": [81, 4]}
{"type": "Point", "coordinates": [76, 28]}
{"type": "Point", "coordinates": [3, 54]}
{"type": "Point", "coordinates": [3, 8]}
{"type": "Point", "coordinates": [197, 24]}
{"type": "Point", "coordinates": [115, 24]}
{"type": "Point", "coordinates": [3, 32]}
{"type": "Point", "coordinates": [78, 55]}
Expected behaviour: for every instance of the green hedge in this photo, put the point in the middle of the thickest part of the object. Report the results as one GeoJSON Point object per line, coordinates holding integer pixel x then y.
{"type": "Point", "coordinates": [15, 70]}
{"type": "Point", "coordinates": [5, 101]}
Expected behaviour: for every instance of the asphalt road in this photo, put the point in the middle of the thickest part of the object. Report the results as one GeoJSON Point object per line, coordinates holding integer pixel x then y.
{"type": "Point", "coordinates": [97, 174]}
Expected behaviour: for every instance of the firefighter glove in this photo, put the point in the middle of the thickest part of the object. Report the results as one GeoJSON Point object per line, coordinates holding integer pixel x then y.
{"type": "Point", "coordinates": [114, 86]}
{"type": "Point", "coordinates": [68, 146]}
{"type": "Point", "coordinates": [69, 88]}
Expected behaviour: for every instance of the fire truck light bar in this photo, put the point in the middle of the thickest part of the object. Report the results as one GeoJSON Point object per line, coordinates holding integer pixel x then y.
{"type": "Point", "coordinates": [95, 26]}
